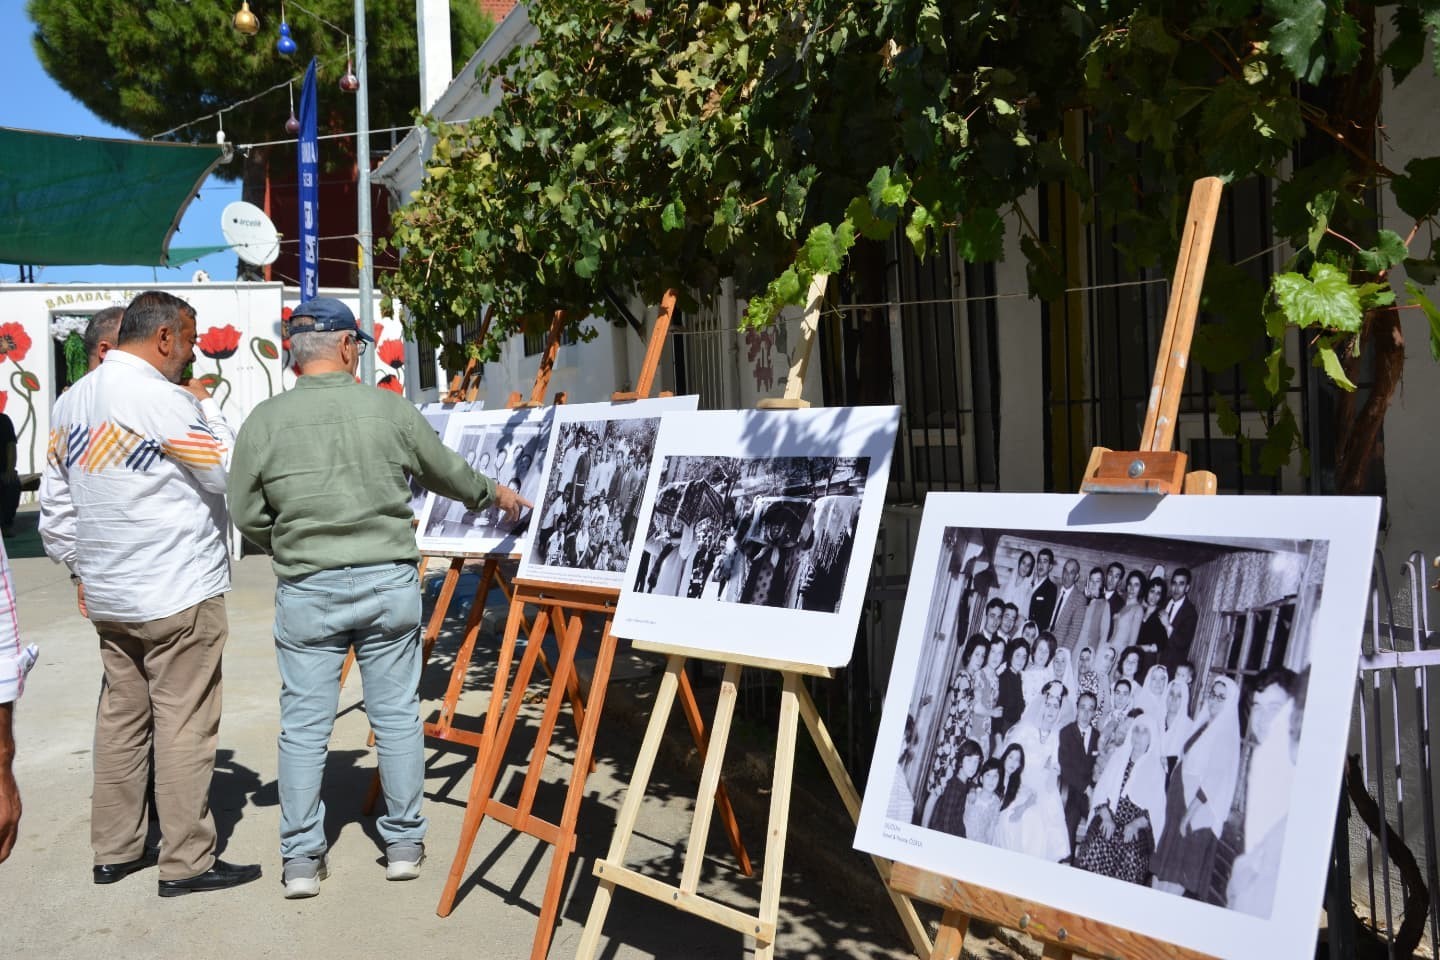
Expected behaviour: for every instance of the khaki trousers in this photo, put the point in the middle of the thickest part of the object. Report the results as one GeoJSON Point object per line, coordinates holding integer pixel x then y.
{"type": "Point", "coordinates": [162, 683]}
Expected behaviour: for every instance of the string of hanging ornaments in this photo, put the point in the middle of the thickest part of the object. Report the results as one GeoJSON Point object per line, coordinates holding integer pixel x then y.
{"type": "Point", "coordinates": [247, 23]}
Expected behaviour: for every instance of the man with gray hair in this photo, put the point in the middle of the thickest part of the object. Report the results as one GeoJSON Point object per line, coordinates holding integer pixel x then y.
{"type": "Point", "coordinates": [100, 335]}
{"type": "Point", "coordinates": [320, 482]}
{"type": "Point", "coordinates": [132, 501]}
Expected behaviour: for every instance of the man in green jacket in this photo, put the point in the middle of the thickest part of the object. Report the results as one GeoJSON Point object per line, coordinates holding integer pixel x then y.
{"type": "Point", "coordinates": [318, 480]}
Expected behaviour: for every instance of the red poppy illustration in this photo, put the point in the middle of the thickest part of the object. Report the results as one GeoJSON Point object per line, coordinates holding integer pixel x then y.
{"type": "Point", "coordinates": [392, 383]}
{"type": "Point", "coordinates": [218, 343]}
{"type": "Point", "coordinates": [4, 399]}
{"type": "Point", "coordinates": [14, 342]}
{"type": "Point", "coordinates": [392, 352]}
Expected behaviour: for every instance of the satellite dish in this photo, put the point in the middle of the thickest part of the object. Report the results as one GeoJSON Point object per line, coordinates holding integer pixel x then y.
{"type": "Point", "coordinates": [250, 233]}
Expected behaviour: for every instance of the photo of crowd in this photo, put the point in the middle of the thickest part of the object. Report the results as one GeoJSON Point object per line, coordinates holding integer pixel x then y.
{"type": "Point", "coordinates": [592, 495]}
{"type": "Point", "coordinates": [510, 449]}
{"type": "Point", "coordinates": [766, 531]}
{"type": "Point", "coordinates": [1129, 706]}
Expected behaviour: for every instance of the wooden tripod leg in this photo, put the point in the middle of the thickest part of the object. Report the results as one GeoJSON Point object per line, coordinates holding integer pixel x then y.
{"type": "Point", "coordinates": [709, 780]}
{"type": "Point", "coordinates": [442, 607]}
{"type": "Point", "coordinates": [630, 808]}
{"type": "Point", "coordinates": [950, 938]}
{"type": "Point", "coordinates": [904, 906]}
{"type": "Point", "coordinates": [345, 667]}
{"type": "Point", "coordinates": [691, 710]}
{"type": "Point", "coordinates": [584, 752]}
{"type": "Point", "coordinates": [779, 824]}
{"type": "Point", "coordinates": [498, 739]}
{"type": "Point", "coordinates": [572, 681]}
{"type": "Point", "coordinates": [461, 667]}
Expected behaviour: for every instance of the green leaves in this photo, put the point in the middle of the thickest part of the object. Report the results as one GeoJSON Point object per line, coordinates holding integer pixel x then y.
{"type": "Point", "coordinates": [1427, 306]}
{"type": "Point", "coordinates": [1327, 299]}
{"type": "Point", "coordinates": [1333, 368]}
{"type": "Point", "coordinates": [1296, 36]}
{"type": "Point", "coordinates": [980, 236]}
{"type": "Point", "coordinates": [1389, 250]}
{"type": "Point", "coordinates": [1417, 191]}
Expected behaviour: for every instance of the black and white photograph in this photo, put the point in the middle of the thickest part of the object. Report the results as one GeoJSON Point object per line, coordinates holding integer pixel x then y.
{"type": "Point", "coordinates": [771, 531]}
{"type": "Point", "coordinates": [505, 445]}
{"type": "Point", "coordinates": [437, 415]}
{"type": "Point", "coordinates": [588, 507]}
{"type": "Point", "coordinates": [756, 532]}
{"type": "Point", "coordinates": [1125, 705]}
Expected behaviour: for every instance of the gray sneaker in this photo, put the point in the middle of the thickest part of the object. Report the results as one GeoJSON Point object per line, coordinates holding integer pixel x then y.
{"type": "Point", "coordinates": [302, 876]}
{"type": "Point", "coordinates": [403, 859]}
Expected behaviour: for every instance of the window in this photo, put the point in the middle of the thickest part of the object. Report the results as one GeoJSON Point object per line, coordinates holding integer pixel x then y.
{"type": "Point", "coordinates": [536, 339]}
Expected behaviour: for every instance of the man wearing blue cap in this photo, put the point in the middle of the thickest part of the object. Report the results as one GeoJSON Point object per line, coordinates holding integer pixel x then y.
{"type": "Point", "coordinates": [319, 480]}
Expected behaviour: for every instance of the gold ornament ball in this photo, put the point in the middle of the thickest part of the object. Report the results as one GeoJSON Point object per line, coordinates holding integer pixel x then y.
{"type": "Point", "coordinates": [245, 21]}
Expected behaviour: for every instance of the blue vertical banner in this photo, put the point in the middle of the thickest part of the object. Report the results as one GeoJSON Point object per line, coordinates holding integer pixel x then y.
{"type": "Point", "coordinates": [309, 154]}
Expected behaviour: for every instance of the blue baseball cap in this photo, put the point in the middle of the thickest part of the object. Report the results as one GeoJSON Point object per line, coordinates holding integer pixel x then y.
{"type": "Point", "coordinates": [324, 315]}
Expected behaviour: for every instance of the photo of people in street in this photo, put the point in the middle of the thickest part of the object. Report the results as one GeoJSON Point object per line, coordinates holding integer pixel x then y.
{"type": "Point", "coordinates": [771, 531]}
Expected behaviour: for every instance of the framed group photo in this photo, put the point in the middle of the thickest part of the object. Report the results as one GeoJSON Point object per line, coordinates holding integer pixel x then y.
{"type": "Point", "coordinates": [588, 506]}
{"type": "Point", "coordinates": [506, 445]}
{"type": "Point", "coordinates": [762, 549]}
{"type": "Point", "coordinates": [1131, 709]}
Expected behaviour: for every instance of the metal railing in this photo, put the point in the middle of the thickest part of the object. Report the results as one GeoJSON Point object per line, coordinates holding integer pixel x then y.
{"type": "Point", "coordinates": [1391, 739]}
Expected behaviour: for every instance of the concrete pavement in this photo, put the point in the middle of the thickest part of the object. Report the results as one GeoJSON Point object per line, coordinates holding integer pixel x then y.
{"type": "Point", "coordinates": [832, 906]}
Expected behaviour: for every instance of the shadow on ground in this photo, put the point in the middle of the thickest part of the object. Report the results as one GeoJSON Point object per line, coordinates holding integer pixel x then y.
{"type": "Point", "coordinates": [833, 902]}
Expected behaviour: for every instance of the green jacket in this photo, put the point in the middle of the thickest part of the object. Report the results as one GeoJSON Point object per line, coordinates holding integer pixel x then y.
{"type": "Point", "coordinates": [318, 477]}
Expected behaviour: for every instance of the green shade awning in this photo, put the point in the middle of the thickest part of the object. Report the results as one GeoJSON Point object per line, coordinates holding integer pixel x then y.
{"type": "Point", "coordinates": [182, 255]}
{"type": "Point", "coordinates": [67, 200]}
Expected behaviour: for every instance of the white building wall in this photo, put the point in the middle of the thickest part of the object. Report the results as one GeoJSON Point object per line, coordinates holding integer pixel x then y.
{"type": "Point", "coordinates": [29, 380]}
{"type": "Point", "coordinates": [1410, 448]}
{"type": "Point", "coordinates": [1022, 393]}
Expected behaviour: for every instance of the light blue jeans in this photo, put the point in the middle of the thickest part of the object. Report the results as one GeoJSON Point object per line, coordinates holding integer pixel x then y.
{"type": "Point", "coordinates": [375, 609]}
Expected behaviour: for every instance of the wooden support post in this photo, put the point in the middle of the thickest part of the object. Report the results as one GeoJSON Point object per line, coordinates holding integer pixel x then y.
{"type": "Point", "coordinates": [646, 382]}
{"type": "Point", "coordinates": [1156, 467]}
{"type": "Point", "coordinates": [800, 366]}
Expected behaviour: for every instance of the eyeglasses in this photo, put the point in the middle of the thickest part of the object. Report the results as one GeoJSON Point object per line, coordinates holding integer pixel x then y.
{"type": "Point", "coordinates": [360, 346]}
{"type": "Point", "coordinates": [1218, 693]}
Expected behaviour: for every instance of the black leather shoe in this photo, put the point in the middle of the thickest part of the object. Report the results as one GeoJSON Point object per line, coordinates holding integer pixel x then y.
{"type": "Point", "coordinates": [219, 877]}
{"type": "Point", "coordinates": [111, 872]}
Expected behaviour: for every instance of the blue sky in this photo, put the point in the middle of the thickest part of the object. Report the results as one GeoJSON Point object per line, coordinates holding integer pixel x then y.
{"type": "Point", "coordinates": [33, 101]}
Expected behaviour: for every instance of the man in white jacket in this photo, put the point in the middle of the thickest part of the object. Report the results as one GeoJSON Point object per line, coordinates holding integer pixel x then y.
{"type": "Point", "coordinates": [132, 500]}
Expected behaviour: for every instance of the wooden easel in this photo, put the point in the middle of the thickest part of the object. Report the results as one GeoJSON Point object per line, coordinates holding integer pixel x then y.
{"type": "Point", "coordinates": [507, 697]}
{"type": "Point", "coordinates": [1154, 469]}
{"type": "Point", "coordinates": [795, 704]}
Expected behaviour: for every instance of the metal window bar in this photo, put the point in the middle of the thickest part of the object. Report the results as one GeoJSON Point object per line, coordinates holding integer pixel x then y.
{"type": "Point", "coordinates": [1386, 777]}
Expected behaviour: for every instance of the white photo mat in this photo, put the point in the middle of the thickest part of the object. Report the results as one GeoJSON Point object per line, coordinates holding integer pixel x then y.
{"type": "Point", "coordinates": [762, 542]}
{"type": "Point", "coordinates": [1288, 528]}
{"type": "Point", "coordinates": [509, 447]}
{"type": "Point", "coordinates": [578, 534]}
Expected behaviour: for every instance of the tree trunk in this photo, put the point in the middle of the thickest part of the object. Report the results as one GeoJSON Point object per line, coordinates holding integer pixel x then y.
{"type": "Point", "coordinates": [1356, 114]}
